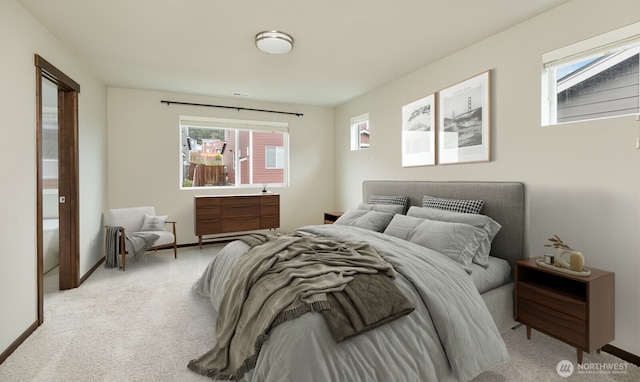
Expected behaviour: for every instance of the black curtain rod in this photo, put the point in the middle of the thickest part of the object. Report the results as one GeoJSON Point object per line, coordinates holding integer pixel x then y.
{"type": "Point", "coordinates": [231, 107]}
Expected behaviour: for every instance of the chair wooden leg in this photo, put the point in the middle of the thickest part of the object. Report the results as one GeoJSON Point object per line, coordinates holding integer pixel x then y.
{"type": "Point", "coordinates": [175, 242]}
{"type": "Point", "coordinates": [123, 250]}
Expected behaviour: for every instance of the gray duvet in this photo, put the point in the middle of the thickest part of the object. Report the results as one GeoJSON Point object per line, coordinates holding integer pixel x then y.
{"type": "Point", "coordinates": [449, 337]}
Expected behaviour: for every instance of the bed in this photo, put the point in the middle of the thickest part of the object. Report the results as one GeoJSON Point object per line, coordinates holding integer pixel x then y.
{"type": "Point", "coordinates": [460, 303]}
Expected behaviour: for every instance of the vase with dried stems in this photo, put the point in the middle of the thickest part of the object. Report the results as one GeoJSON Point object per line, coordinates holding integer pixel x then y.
{"type": "Point", "coordinates": [576, 260]}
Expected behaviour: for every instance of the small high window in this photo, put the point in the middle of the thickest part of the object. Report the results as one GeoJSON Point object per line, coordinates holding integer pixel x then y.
{"type": "Point", "coordinates": [360, 133]}
{"type": "Point", "coordinates": [592, 79]}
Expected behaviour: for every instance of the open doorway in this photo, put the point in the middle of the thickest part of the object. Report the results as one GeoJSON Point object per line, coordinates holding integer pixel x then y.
{"type": "Point", "coordinates": [50, 193]}
{"type": "Point", "coordinates": [57, 177]}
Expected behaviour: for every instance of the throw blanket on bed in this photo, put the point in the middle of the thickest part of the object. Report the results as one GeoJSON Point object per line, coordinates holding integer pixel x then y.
{"type": "Point", "coordinates": [367, 301]}
{"type": "Point", "coordinates": [135, 244]}
{"type": "Point", "coordinates": [274, 282]}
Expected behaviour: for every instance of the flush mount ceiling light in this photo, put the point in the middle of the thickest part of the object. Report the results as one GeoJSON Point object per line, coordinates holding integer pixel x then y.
{"type": "Point", "coordinates": [274, 42]}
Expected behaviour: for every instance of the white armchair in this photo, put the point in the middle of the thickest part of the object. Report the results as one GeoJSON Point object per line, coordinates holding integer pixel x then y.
{"type": "Point", "coordinates": [139, 222]}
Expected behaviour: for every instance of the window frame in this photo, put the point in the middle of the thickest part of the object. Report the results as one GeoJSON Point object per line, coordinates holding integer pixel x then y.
{"type": "Point", "coordinates": [625, 37]}
{"type": "Point", "coordinates": [237, 126]}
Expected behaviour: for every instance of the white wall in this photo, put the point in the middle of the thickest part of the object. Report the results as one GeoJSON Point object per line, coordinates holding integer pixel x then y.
{"type": "Point", "coordinates": [20, 38]}
{"type": "Point", "coordinates": [144, 156]}
{"type": "Point", "coordinates": [582, 179]}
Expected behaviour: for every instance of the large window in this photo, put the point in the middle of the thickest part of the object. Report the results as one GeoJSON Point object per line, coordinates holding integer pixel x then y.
{"type": "Point", "coordinates": [233, 153]}
{"type": "Point", "coordinates": [592, 79]}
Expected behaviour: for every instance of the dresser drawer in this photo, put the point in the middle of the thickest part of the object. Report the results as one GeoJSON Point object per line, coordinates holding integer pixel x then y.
{"type": "Point", "coordinates": [207, 203]}
{"type": "Point", "coordinates": [270, 209]}
{"type": "Point", "coordinates": [554, 300]}
{"type": "Point", "coordinates": [270, 221]}
{"type": "Point", "coordinates": [249, 201]}
{"type": "Point", "coordinates": [241, 224]}
{"type": "Point", "coordinates": [206, 227]}
{"type": "Point", "coordinates": [552, 322]}
{"type": "Point", "coordinates": [240, 211]}
{"type": "Point", "coordinates": [270, 199]}
{"type": "Point", "coordinates": [209, 212]}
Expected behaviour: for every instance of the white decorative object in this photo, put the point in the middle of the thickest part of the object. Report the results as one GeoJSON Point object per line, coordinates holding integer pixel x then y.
{"type": "Point", "coordinates": [576, 260]}
{"type": "Point", "coordinates": [574, 266]}
{"type": "Point", "coordinates": [585, 271]}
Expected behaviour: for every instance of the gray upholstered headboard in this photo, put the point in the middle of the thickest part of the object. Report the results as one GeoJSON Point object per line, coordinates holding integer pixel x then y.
{"type": "Point", "coordinates": [503, 201]}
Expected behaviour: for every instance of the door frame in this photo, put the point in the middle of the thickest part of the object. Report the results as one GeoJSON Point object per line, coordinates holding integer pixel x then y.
{"type": "Point", "coordinates": [68, 182]}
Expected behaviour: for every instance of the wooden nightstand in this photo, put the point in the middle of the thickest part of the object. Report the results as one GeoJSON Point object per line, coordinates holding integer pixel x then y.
{"type": "Point", "coordinates": [331, 217]}
{"type": "Point", "coordinates": [574, 309]}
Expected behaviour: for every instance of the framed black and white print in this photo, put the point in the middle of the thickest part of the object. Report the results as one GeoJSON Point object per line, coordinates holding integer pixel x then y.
{"type": "Point", "coordinates": [418, 132]}
{"type": "Point", "coordinates": [464, 122]}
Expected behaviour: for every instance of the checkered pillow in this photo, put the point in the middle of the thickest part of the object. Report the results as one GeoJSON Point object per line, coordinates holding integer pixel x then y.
{"type": "Point", "coordinates": [457, 205]}
{"type": "Point", "coordinates": [386, 199]}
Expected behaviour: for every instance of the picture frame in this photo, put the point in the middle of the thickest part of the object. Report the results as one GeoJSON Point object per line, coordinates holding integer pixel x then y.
{"type": "Point", "coordinates": [464, 121]}
{"type": "Point", "coordinates": [418, 132]}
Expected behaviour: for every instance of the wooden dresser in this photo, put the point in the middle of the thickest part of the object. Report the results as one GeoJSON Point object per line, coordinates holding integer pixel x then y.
{"type": "Point", "coordinates": [218, 214]}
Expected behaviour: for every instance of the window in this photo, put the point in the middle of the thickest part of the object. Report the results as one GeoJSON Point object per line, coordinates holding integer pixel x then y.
{"type": "Point", "coordinates": [233, 153]}
{"type": "Point", "coordinates": [274, 156]}
{"type": "Point", "coordinates": [360, 132]}
{"type": "Point", "coordinates": [592, 79]}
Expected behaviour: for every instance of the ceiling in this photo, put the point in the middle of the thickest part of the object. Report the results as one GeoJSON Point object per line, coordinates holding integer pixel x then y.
{"type": "Point", "coordinates": [343, 48]}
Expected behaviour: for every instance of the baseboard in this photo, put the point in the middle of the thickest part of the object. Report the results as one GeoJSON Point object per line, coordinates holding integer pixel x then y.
{"type": "Point", "coordinates": [622, 354]}
{"type": "Point", "coordinates": [93, 269]}
{"type": "Point", "coordinates": [188, 245]}
{"type": "Point", "coordinates": [217, 241]}
{"type": "Point", "coordinates": [5, 354]}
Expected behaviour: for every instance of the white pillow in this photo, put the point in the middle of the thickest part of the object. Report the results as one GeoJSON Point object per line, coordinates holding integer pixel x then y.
{"type": "Point", "coordinates": [490, 226]}
{"type": "Point", "coordinates": [154, 223]}
{"type": "Point", "coordinates": [458, 241]}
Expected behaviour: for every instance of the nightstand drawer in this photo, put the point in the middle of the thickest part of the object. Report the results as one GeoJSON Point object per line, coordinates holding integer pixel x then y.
{"type": "Point", "coordinates": [552, 322]}
{"type": "Point", "coordinates": [554, 300]}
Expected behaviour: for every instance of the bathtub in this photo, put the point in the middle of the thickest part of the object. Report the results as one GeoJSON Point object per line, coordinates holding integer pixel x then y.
{"type": "Point", "coordinates": [50, 236]}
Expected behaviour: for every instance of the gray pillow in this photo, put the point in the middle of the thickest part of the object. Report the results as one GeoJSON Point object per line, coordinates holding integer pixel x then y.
{"type": "Point", "coordinates": [490, 226]}
{"type": "Point", "coordinates": [390, 208]}
{"type": "Point", "coordinates": [391, 199]}
{"type": "Point", "coordinates": [371, 220]}
{"type": "Point", "coordinates": [457, 205]}
{"type": "Point", "coordinates": [458, 241]}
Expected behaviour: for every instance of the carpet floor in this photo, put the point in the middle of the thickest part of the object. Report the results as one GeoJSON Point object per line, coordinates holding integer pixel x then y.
{"type": "Point", "coordinates": [145, 324]}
